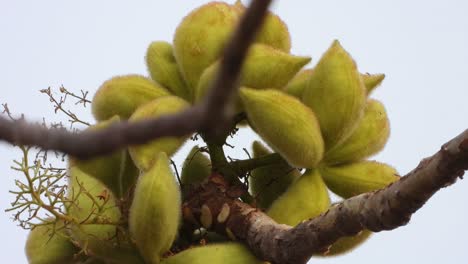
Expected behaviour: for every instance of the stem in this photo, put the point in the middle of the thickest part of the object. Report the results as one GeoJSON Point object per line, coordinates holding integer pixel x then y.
{"type": "Point", "coordinates": [244, 166]}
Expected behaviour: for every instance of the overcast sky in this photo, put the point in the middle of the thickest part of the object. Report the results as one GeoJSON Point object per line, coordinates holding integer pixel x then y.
{"type": "Point", "coordinates": [420, 45]}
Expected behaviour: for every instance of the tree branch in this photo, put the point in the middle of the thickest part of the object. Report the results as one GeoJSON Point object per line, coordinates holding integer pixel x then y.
{"type": "Point", "coordinates": [210, 116]}
{"type": "Point", "coordinates": [380, 210]}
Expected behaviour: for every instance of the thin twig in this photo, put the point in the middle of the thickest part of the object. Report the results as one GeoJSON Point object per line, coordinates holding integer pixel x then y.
{"type": "Point", "coordinates": [209, 116]}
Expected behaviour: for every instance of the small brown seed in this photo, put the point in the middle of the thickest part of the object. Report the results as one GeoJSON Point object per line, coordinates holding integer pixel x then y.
{"type": "Point", "coordinates": [224, 214]}
{"type": "Point", "coordinates": [206, 217]}
{"type": "Point", "coordinates": [230, 234]}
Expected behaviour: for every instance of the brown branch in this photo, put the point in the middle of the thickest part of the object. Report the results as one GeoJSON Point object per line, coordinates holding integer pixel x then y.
{"type": "Point", "coordinates": [210, 116]}
{"type": "Point", "coordinates": [384, 209]}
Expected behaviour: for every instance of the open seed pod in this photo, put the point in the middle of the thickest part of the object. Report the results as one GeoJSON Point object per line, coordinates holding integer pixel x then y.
{"type": "Point", "coordinates": [122, 95]}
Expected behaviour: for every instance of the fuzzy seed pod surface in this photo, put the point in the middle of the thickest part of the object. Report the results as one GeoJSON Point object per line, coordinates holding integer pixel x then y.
{"type": "Point", "coordinates": [144, 155]}
{"type": "Point", "coordinates": [359, 177]}
{"type": "Point", "coordinates": [163, 68]}
{"type": "Point", "coordinates": [115, 170]}
{"type": "Point", "coordinates": [336, 94]}
{"type": "Point", "coordinates": [122, 95]}
{"type": "Point", "coordinates": [93, 200]}
{"type": "Point", "coordinates": [267, 183]}
{"type": "Point", "coordinates": [306, 198]}
{"type": "Point", "coordinates": [372, 81]}
{"type": "Point", "coordinates": [200, 37]}
{"type": "Point", "coordinates": [44, 246]}
{"type": "Point", "coordinates": [155, 210]}
{"type": "Point", "coordinates": [368, 138]}
{"type": "Point", "coordinates": [296, 86]}
{"type": "Point", "coordinates": [196, 167]}
{"type": "Point", "coordinates": [286, 124]}
{"type": "Point", "coordinates": [226, 253]}
{"type": "Point", "coordinates": [264, 68]}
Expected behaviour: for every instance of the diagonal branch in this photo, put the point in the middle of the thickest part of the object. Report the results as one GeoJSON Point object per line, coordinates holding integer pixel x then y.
{"type": "Point", "coordinates": [209, 116]}
{"type": "Point", "coordinates": [380, 210]}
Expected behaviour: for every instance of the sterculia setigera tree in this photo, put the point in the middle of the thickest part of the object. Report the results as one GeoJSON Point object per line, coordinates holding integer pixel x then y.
{"type": "Point", "coordinates": [319, 132]}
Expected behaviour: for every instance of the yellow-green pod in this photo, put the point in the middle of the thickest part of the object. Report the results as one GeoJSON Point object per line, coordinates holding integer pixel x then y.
{"type": "Point", "coordinates": [116, 170]}
{"type": "Point", "coordinates": [306, 198]}
{"type": "Point", "coordinates": [336, 94]}
{"type": "Point", "coordinates": [155, 210]}
{"type": "Point", "coordinates": [347, 244]}
{"type": "Point", "coordinates": [359, 177]}
{"type": "Point", "coordinates": [49, 244]}
{"type": "Point", "coordinates": [196, 167]}
{"type": "Point", "coordinates": [226, 253]}
{"type": "Point", "coordinates": [163, 68]}
{"type": "Point", "coordinates": [145, 155]}
{"type": "Point", "coordinates": [268, 182]}
{"type": "Point", "coordinates": [372, 81]}
{"type": "Point", "coordinates": [122, 95]}
{"type": "Point", "coordinates": [264, 67]}
{"type": "Point", "coordinates": [200, 38]}
{"type": "Point", "coordinates": [96, 209]}
{"type": "Point", "coordinates": [369, 137]}
{"type": "Point", "coordinates": [296, 86]}
{"type": "Point", "coordinates": [287, 125]}
{"type": "Point", "coordinates": [274, 32]}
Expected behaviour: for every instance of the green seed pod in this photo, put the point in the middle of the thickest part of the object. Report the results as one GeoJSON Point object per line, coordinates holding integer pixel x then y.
{"type": "Point", "coordinates": [116, 170]}
{"type": "Point", "coordinates": [274, 32]}
{"type": "Point", "coordinates": [268, 182]}
{"type": "Point", "coordinates": [264, 67]}
{"type": "Point", "coordinates": [200, 37]}
{"type": "Point", "coordinates": [226, 253]}
{"type": "Point", "coordinates": [369, 137]}
{"type": "Point", "coordinates": [122, 95]}
{"type": "Point", "coordinates": [163, 68]}
{"type": "Point", "coordinates": [296, 86]}
{"type": "Point", "coordinates": [196, 167]}
{"type": "Point", "coordinates": [359, 177]}
{"type": "Point", "coordinates": [372, 81]}
{"type": "Point", "coordinates": [287, 125]}
{"type": "Point", "coordinates": [145, 155]}
{"type": "Point", "coordinates": [347, 244]}
{"type": "Point", "coordinates": [155, 211]}
{"type": "Point", "coordinates": [304, 199]}
{"type": "Point", "coordinates": [49, 244]}
{"type": "Point", "coordinates": [336, 94]}
{"type": "Point", "coordinates": [93, 261]}
{"type": "Point", "coordinates": [94, 202]}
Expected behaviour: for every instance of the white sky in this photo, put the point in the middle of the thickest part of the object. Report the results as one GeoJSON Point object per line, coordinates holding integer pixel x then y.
{"type": "Point", "coordinates": [420, 45]}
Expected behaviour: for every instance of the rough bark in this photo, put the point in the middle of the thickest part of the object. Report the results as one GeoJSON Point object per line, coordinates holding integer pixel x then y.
{"type": "Point", "coordinates": [384, 209]}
